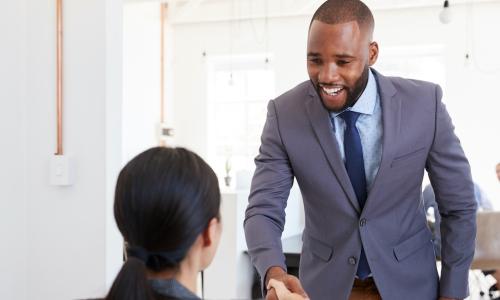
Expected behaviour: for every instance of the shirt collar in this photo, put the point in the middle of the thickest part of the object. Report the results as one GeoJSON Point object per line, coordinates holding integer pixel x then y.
{"type": "Point", "coordinates": [367, 100]}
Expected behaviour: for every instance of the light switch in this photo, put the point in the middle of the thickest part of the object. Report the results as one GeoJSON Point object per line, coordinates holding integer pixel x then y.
{"type": "Point", "coordinates": [61, 170]}
{"type": "Point", "coordinates": [165, 134]}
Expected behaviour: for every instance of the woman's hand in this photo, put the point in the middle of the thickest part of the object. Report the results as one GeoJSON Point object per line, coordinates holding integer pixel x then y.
{"type": "Point", "coordinates": [282, 292]}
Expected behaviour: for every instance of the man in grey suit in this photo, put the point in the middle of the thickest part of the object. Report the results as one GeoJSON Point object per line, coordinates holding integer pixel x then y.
{"type": "Point", "coordinates": [358, 144]}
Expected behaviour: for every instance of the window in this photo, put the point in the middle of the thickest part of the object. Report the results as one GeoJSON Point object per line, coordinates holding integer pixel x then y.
{"type": "Point", "coordinates": [239, 90]}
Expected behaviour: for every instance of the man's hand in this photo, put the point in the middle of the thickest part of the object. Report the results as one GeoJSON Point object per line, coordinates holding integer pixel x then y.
{"type": "Point", "coordinates": [292, 283]}
{"type": "Point", "coordinates": [282, 292]}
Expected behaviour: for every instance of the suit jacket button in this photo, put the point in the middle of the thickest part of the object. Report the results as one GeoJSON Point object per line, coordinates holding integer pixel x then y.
{"type": "Point", "coordinates": [352, 260]}
{"type": "Point", "coordinates": [362, 222]}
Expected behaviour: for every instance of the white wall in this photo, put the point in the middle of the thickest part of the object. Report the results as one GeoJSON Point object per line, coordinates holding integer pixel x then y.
{"type": "Point", "coordinates": [54, 239]}
{"type": "Point", "coordinates": [141, 77]}
{"type": "Point", "coordinates": [13, 150]}
{"type": "Point", "coordinates": [113, 131]}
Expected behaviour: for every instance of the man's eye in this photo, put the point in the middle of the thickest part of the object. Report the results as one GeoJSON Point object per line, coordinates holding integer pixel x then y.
{"type": "Point", "coordinates": [315, 61]}
{"type": "Point", "coordinates": [342, 62]}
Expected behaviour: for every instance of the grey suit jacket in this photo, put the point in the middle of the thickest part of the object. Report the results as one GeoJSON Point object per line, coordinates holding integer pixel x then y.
{"type": "Point", "coordinates": [418, 135]}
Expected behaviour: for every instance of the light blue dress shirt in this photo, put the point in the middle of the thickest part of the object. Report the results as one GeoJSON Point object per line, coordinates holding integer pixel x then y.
{"type": "Point", "coordinates": [370, 129]}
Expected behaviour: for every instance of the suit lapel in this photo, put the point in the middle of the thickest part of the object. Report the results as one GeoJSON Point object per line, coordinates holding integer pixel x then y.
{"type": "Point", "coordinates": [391, 122]}
{"type": "Point", "coordinates": [322, 127]}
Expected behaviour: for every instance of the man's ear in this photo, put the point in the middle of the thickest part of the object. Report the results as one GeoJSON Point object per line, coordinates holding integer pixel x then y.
{"type": "Point", "coordinates": [373, 53]}
{"type": "Point", "coordinates": [209, 234]}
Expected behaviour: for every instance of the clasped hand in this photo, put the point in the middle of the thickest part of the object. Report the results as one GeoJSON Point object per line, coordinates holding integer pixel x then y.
{"type": "Point", "coordinates": [282, 286]}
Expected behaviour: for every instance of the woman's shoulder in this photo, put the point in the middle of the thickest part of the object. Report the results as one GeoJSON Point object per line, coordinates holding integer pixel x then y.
{"type": "Point", "coordinates": [171, 289]}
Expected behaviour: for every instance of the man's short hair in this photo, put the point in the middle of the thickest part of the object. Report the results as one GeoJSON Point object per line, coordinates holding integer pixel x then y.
{"type": "Point", "coordinates": [343, 11]}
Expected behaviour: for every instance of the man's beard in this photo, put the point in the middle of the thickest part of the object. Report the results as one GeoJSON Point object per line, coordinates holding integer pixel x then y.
{"type": "Point", "coordinates": [352, 95]}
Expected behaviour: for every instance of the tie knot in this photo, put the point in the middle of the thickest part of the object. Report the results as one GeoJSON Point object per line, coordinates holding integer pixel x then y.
{"type": "Point", "coordinates": [350, 117]}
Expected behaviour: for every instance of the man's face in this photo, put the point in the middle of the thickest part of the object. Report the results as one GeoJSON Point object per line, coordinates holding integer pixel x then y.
{"type": "Point", "coordinates": [338, 57]}
{"type": "Point", "coordinates": [498, 172]}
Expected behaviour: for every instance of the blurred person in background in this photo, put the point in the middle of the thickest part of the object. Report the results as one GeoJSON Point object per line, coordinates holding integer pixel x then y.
{"type": "Point", "coordinates": [498, 171]}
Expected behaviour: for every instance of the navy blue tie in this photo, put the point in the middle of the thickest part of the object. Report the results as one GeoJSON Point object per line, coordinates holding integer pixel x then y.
{"type": "Point", "coordinates": [355, 167]}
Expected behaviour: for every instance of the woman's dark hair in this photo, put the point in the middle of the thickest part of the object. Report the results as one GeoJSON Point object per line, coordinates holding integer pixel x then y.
{"type": "Point", "coordinates": [164, 198]}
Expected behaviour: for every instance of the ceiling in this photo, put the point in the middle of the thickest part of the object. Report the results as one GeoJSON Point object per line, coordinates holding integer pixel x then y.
{"type": "Point", "coordinates": [188, 11]}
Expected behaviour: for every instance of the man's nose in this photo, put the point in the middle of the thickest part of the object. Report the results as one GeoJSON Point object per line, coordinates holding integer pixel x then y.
{"type": "Point", "coordinates": [329, 73]}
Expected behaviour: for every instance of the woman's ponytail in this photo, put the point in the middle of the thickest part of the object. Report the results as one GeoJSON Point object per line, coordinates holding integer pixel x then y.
{"type": "Point", "coordinates": [131, 283]}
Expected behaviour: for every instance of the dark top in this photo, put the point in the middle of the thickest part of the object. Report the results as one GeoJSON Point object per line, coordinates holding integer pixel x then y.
{"type": "Point", "coordinates": [171, 288]}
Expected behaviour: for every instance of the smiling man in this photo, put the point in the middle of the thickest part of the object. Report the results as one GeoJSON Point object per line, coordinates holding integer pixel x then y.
{"type": "Point", "coordinates": [358, 144]}
{"type": "Point", "coordinates": [339, 57]}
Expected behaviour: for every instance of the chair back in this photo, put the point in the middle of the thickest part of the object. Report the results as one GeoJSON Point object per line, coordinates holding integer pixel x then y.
{"type": "Point", "coordinates": [487, 254]}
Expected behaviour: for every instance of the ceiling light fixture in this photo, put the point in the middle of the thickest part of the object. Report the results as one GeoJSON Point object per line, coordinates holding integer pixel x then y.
{"type": "Point", "coordinates": [445, 14]}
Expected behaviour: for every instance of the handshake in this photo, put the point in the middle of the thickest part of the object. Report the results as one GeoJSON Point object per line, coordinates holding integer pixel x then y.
{"type": "Point", "coordinates": [282, 286]}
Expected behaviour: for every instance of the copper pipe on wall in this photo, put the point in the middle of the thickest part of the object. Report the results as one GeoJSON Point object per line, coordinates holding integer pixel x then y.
{"type": "Point", "coordinates": [162, 67]}
{"type": "Point", "coordinates": [59, 78]}
{"type": "Point", "coordinates": [162, 61]}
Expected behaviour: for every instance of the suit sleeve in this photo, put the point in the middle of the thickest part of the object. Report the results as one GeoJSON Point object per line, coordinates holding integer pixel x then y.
{"type": "Point", "coordinates": [450, 176]}
{"type": "Point", "coordinates": [271, 184]}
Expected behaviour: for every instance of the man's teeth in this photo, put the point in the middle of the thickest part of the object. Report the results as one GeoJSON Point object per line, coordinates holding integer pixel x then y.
{"type": "Point", "coordinates": [332, 91]}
